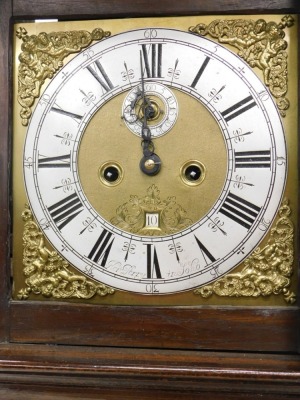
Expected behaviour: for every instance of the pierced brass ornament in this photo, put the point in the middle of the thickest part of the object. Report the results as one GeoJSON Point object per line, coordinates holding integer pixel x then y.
{"type": "Point", "coordinates": [42, 56]}
{"type": "Point", "coordinates": [47, 273]}
{"type": "Point", "coordinates": [150, 215]}
{"type": "Point", "coordinates": [261, 44]}
{"type": "Point", "coordinates": [267, 271]}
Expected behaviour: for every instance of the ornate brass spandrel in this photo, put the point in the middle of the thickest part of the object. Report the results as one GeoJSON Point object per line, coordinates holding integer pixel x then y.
{"type": "Point", "coordinates": [261, 44]}
{"type": "Point", "coordinates": [131, 216]}
{"type": "Point", "coordinates": [267, 271]}
{"type": "Point", "coordinates": [42, 56]}
{"type": "Point", "coordinates": [48, 274]}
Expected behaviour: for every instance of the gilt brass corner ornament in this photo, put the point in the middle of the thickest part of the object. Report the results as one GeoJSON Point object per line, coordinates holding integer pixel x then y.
{"type": "Point", "coordinates": [47, 273]}
{"type": "Point", "coordinates": [267, 271]}
{"type": "Point", "coordinates": [261, 44]}
{"type": "Point", "coordinates": [150, 215]}
{"type": "Point", "coordinates": [42, 55]}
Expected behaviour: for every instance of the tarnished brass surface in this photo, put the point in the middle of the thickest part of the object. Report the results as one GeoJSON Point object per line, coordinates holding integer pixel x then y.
{"type": "Point", "coordinates": [42, 55]}
{"type": "Point", "coordinates": [47, 273]}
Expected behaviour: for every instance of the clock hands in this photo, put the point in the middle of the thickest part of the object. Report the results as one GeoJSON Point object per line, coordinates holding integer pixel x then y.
{"type": "Point", "coordinates": [150, 163]}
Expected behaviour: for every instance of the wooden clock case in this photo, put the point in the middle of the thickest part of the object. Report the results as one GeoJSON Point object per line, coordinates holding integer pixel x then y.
{"type": "Point", "coordinates": [67, 351]}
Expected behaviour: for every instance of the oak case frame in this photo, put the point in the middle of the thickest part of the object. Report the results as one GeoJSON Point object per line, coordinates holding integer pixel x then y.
{"type": "Point", "coordinates": [180, 349]}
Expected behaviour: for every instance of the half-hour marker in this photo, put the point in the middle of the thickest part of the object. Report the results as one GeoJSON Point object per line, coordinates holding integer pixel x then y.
{"type": "Point", "coordinates": [152, 59]}
{"type": "Point", "coordinates": [215, 94]}
{"type": "Point", "coordinates": [129, 248]}
{"type": "Point", "coordinates": [175, 248]}
{"type": "Point", "coordinates": [239, 136]}
{"type": "Point", "coordinates": [62, 161]}
{"type": "Point", "coordinates": [66, 185]}
{"type": "Point", "coordinates": [239, 210]}
{"type": "Point", "coordinates": [200, 72]}
{"type": "Point", "coordinates": [65, 210]}
{"type": "Point", "coordinates": [240, 181]}
{"type": "Point", "coordinates": [101, 76]}
{"type": "Point", "coordinates": [252, 159]}
{"type": "Point", "coordinates": [174, 73]}
{"type": "Point", "coordinates": [238, 108]}
{"type": "Point", "coordinates": [102, 247]}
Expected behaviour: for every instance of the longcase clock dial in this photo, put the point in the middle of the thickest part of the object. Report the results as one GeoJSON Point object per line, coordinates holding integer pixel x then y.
{"type": "Point", "coordinates": [155, 161]}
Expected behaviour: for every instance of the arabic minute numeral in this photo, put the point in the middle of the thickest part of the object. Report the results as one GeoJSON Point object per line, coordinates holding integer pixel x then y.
{"type": "Point", "coordinates": [28, 162]}
{"type": "Point", "coordinates": [264, 95]}
{"type": "Point", "coordinates": [150, 34]}
{"type": "Point", "coordinates": [89, 271]}
{"type": "Point", "coordinates": [264, 225]}
{"type": "Point", "coordinates": [281, 160]}
{"type": "Point", "coordinates": [44, 224]}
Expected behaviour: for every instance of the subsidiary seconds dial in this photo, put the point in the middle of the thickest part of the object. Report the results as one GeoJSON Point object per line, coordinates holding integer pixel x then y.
{"type": "Point", "coordinates": [218, 135]}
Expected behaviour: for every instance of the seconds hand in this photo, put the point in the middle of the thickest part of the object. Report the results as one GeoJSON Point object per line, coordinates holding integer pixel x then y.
{"type": "Point", "coordinates": [150, 163]}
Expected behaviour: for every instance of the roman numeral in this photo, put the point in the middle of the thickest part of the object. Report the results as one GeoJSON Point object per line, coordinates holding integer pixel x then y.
{"type": "Point", "coordinates": [101, 76]}
{"type": "Point", "coordinates": [102, 247]}
{"type": "Point", "coordinates": [252, 159]}
{"type": "Point", "coordinates": [205, 253]}
{"type": "Point", "coordinates": [54, 162]}
{"type": "Point", "coordinates": [59, 110]}
{"type": "Point", "coordinates": [238, 108]}
{"type": "Point", "coordinates": [200, 72]}
{"type": "Point", "coordinates": [65, 210]}
{"type": "Point", "coordinates": [152, 262]}
{"type": "Point", "coordinates": [239, 210]}
{"type": "Point", "coordinates": [152, 56]}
